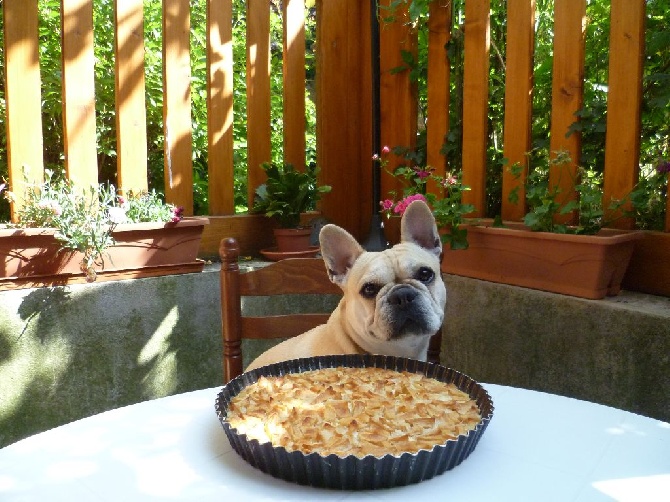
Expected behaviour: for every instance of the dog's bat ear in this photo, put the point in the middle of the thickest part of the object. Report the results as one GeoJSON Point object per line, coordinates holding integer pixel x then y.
{"type": "Point", "coordinates": [339, 250]}
{"type": "Point", "coordinates": [418, 226]}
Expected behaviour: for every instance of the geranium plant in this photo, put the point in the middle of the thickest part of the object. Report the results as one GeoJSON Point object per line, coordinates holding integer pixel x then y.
{"type": "Point", "coordinates": [84, 219]}
{"type": "Point", "coordinates": [447, 203]}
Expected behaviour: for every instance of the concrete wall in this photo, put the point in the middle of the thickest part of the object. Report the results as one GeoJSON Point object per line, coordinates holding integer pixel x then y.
{"type": "Point", "coordinates": [70, 352]}
{"type": "Point", "coordinates": [614, 351]}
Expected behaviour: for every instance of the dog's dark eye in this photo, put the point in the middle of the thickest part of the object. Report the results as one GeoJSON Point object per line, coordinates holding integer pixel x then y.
{"type": "Point", "coordinates": [425, 275]}
{"type": "Point", "coordinates": [370, 290]}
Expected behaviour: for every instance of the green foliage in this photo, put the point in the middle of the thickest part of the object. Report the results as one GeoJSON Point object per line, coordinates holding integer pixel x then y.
{"type": "Point", "coordinates": [590, 121]}
{"type": "Point", "coordinates": [543, 198]}
{"type": "Point", "coordinates": [288, 192]}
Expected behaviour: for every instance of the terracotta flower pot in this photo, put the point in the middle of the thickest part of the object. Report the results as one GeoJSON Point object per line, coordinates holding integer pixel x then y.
{"type": "Point", "coordinates": [292, 239]}
{"type": "Point", "coordinates": [587, 266]}
{"type": "Point", "coordinates": [33, 256]}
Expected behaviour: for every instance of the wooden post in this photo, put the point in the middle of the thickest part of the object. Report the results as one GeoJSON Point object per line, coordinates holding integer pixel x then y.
{"type": "Point", "coordinates": [399, 107]}
{"type": "Point", "coordinates": [475, 102]}
{"type": "Point", "coordinates": [220, 106]}
{"type": "Point", "coordinates": [294, 82]}
{"type": "Point", "coordinates": [518, 102]}
{"type": "Point", "coordinates": [439, 34]}
{"type": "Point", "coordinates": [131, 120]}
{"type": "Point", "coordinates": [567, 96]}
{"type": "Point", "coordinates": [344, 112]}
{"type": "Point", "coordinates": [258, 93]}
{"type": "Point", "coordinates": [622, 148]}
{"type": "Point", "coordinates": [23, 98]}
{"type": "Point", "coordinates": [178, 171]}
{"type": "Point", "coordinates": [81, 156]}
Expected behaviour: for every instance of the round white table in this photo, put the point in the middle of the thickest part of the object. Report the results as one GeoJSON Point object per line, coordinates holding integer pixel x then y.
{"type": "Point", "coordinates": [538, 447]}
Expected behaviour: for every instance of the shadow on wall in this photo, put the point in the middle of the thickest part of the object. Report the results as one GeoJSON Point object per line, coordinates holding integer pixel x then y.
{"type": "Point", "coordinates": [73, 351]}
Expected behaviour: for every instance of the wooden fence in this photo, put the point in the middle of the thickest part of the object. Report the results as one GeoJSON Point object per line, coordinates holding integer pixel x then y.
{"type": "Point", "coordinates": [344, 144]}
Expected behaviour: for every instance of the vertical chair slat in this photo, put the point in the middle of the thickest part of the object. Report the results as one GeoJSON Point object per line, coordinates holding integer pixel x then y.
{"type": "Point", "coordinates": [178, 171]}
{"type": "Point", "coordinates": [81, 159]}
{"type": "Point", "coordinates": [131, 120]}
{"type": "Point", "coordinates": [23, 97]}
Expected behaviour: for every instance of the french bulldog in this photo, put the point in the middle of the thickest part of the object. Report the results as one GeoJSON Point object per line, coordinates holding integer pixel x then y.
{"type": "Point", "coordinates": [393, 299]}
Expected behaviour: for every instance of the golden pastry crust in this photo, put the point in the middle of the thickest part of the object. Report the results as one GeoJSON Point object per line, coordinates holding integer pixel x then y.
{"type": "Point", "coordinates": [357, 411]}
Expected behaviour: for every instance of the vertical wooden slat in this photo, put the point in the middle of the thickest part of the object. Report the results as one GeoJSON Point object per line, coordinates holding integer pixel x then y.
{"type": "Point", "coordinates": [344, 112]}
{"type": "Point", "coordinates": [294, 82]}
{"type": "Point", "coordinates": [518, 101]}
{"type": "Point", "coordinates": [22, 97]}
{"type": "Point", "coordinates": [439, 34]}
{"type": "Point", "coordinates": [177, 104]}
{"type": "Point", "coordinates": [567, 95]}
{"type": "Point", "coordinates": [220, 106]}
{"type": "Point", "coordinates": [258, 92]}
{"type": "Point", "coordinates": [81, 161]}
{"type": "Point", "coordinates": [398, 96]}
{"type": "Point", "coordinates": [475, 102]}
{"type": "Point", "coordinates": [624, 96]}
{"type": "Point", "coordinates": [131, 121]}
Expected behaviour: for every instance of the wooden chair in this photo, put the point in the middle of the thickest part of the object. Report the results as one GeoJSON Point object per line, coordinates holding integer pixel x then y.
{"type": "Point", "coordinates": [290, 276]}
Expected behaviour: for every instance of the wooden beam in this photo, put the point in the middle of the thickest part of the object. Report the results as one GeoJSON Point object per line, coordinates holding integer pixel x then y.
{"type": "Point", "coordinates": [518, 102]}
{"type": "Point", "coordinates": [220, 106]}
{"type": "Point", "coordinates": [294, 82]}
{"type": "Point", "coordinates": [344, 111]}
{"type": "Point", "coordinates": [475, 102]}
{"type": "Point", "coordinates": [131, 120]}
{"type": "Point", "coordinates": [439, 34]}
{"type": "Point", "coordinates": [567, 96]}
{"type": "Point", "coordinates": [178, 171]}
{"type": "Point", "coordinates": [23, 98]}
{"type": "Point", "coordinates": [81, 156]}
{"type": "Point", "coordinates": [258, 93]}
{"type": "Point", "coordinates": [624, 98]}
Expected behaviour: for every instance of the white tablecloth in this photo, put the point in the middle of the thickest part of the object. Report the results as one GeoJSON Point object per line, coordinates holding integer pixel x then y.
{"type": "Point", "coordinates": [538, 447]}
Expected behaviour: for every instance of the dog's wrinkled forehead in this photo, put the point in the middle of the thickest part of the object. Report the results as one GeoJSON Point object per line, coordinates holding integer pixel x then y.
{"type": "Point", "coordinates": [393, 265]}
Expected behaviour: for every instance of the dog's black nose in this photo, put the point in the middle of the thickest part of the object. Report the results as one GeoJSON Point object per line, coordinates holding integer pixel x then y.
{"type": "Point", "coordinates": [402, 296]}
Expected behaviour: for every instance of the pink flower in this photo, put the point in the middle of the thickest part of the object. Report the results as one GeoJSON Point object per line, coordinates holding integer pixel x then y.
{"type": "Point", "coordinates": [402, 205]}
{"type": "Point", "coordinates": [422, 174]}
{"type": "Point", "coordinates": [386, 149]}
{"type": "Point", "coordinates": [386, 204]}
{"type": "Point", "coordinates": [177, 214]}
{"type": "Point", "coordinates": [375, 157]}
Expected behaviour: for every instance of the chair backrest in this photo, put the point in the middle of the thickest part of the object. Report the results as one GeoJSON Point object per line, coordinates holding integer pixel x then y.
{"type": "Point", "coordinates": [304, 276]}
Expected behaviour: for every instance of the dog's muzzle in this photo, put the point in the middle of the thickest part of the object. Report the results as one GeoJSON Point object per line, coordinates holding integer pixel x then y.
{"type": "Point", "coordinates": [408, 315]}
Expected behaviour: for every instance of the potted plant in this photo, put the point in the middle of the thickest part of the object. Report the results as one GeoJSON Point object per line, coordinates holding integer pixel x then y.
{"type": "Point", "coordinates": [64, 233]}
{"type": "Point", "coordinates": [584, 260]}
{"type": "Point", "coordinates": [285, 195]}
